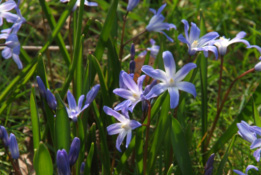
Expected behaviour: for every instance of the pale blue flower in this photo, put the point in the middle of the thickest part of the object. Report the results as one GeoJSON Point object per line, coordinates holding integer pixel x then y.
{"type": "Point", "coordinates": [132, 4]}
{"type": "Point", "coordinates": [123, 128]}
{"type": "Point", "coordinates": [20, 19]}
{"type": "Point", "coordinates": [13, 147]}
{"type": "Point", "coordinates": [222, 43]}
{"type": "Point", "coordinates": [247, 169]}
{"type": "Point", "coordinates": [156, 23]}
{"type": "Point", "coordinates": [12, 49]}
{"type": "Point", "coordinates": [74, 110]}
{"type": "Point", "coordinates": [78, 3]}
{"type": "Point", "coordinates": [4, 12]}
{"type": "Point", "coordinates": [246, 131]}
{"type": "Point", "coordinates": [196, 43]}
{"type": "Point", "coordinates": [154, 49]}
{"type": "Point", "coordinates": [170, 79]}
{"type": "Point", "coordinates": [132, 92]}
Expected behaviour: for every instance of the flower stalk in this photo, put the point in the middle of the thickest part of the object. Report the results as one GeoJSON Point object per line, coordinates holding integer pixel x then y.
{"type": "Point", "coordinates": [220, 81]}
{"type": "Point", "coordinates": [147, 139]}
{"type": "Point", "coordinates": [122, 35]}
{"type": "Point", "coordinates": [223, 102]}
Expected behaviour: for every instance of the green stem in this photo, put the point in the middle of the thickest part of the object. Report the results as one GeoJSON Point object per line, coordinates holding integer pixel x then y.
{"type": "Point", "coordinates": [220, 81]}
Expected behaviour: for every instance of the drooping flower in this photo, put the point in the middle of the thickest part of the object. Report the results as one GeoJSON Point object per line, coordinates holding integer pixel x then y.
{"type": "Point", "coordinates": [74, 151]}
{"type": "Point", "coordinates": [196, 43]}
{"type": "Point", "coordinates": [13, 146]}
{"type": "Point", "coordinates": [133, 92]}
{"type": "Point", "coordinates": [247, 169]}
{"type": "Point", "coordinates": [156, 23]}
{"type": "Point", "coordinates": [62, 162]}
{"type": "Point", "coordinates": [4, 12]}
{"type": "Point", "coordinates": [12, 49]}
{"type": "Point", "coordinates": [74, 110]}
{"type": "Point", "coordinates": [246, 131]}
{"type": "Point", "coordinates": [123, 128]}
{"type": "Point", "coordinates": [20, 19]}
{"type": "Point", "coordinates": [78, 3]}
{"type": "Point", "coordinates": [154, 49]}
{"type": "Point", "coordinates": [132, 4]}
{"type": "Point", "coordinates": [222, 43]}
{"type": "Point", "coordinates": [170, 79]}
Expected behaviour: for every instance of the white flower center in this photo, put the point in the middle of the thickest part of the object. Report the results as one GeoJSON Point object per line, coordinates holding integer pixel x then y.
{"type": "Point", "coordinates": [126, 126]}
{"type": "Point", "coordinates": [171, 82]}
{"type": "Point", "coordinates": [194, 44]}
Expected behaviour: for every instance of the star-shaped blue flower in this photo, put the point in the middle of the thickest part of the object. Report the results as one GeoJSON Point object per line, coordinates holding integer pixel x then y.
{"type": "Point", "coordinates": [156, 23]}
{"type": "Point", "coordinates": [170, 79]}
{"type": "Point", "coordinates": [195, 43]}
{"type": "Point", "coordinates": [123, 128]}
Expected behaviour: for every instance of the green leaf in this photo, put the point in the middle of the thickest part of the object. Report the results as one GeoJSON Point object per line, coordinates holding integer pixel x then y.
{"type": "Point", "coordinates": [256, 114]}
{"type": "Point", "coordinates": [35, 119]}
{"type": "Point", "coordinates": [224, 159]}
{"type": "Point", "coordinates": [180, 148]}
{"type": "Point", "coordinates": [245, 114]}
{"type": "Point", "coordinates": [52, 24]}
{"type": "Point", "coordinates": [87, 169]}
{"type": "Point", "coordinates": [106, 30]}
{"type": "Point", "coordinates": [157, 140]}
{"type": "Point", "coordinates": [43, 164]}
{"type": "Point", "coordinates": [62, 126]}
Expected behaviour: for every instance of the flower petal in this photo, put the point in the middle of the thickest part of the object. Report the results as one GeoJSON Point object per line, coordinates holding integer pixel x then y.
{"type": "Point", "coordinates": [71, 100]}
{"type": "Point", "coordinates": [194, 33]}
{"type": "Point", "coordinates": [154, 73]}
{"type": "Point", "coordinates": [256, 154]}
{"type": "Point", "coordinates": [204, 40]}
{"type": "Point", "coordinates": [140, 82]}
{"type": "Point", "coordinates": [114, 113]}
{"type": "Point", "coordinates": [156, 90]}
{"type": "Point", "coordinates": [128, 140]}
{"type": "Point", "coordinates": [251, 167]}
{"type": "Point", "coordinates": [256, 143]}
{"type": "Point", "coordinates": [114, 128]}
{"type": "Point", "coordinates": [187, 87]}
{"type": "Point", "coordinates": [129, 82]}
{"type": "Point", "coordinates": [120, 139]}
{"type": "Point", "coordinates": [124, 93]}
{"type": "Point", "coordinates": [212, 49]}
{"type": "Point", "coordinates": [239, 172]}
{"type": "Point", "coordinates": [169, 63]}
{"type": "Point", "coordinates": [174, 97]}
{"type": "Point", "coordinates": [92, 93]}
{"type": "Point", "coordinates": [170, 39]}
{"type": "Point", "coordinates": [182, 73]}
{"type": "Point", "coordinates": [80, 101]}
{"type": "Point", "coordinates": [134, 124]}
{"type": "Point", "coordinates": [186, 28]}
{"type": "Point", "coordinates": [183, 39]}
{"type": "Point", "coordinates": [7, 53]}
{"type": "Point", "coordinates": [17, 61]}
{"type": "Point", "coordinates": [124, 104]}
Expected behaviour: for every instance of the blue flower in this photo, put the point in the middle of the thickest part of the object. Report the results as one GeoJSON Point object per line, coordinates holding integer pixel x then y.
{"type": "Point", "coordinates": [12, 49]}
{"type": "Point", "coordinates": [209, 165]}
{"type": "Point", "coordinates": [132, 4]}
{"type": "Point", "coordinates": [92, 94]}
{"type": "Point", "coordinates": [51, 101]}
{"type": "Point", "coordinates": [154, 49]}
{"type": "Point", "coordinates": [246, 131]}
{"type": "Point", "coordinates": [222, 43]}
{"type": "Point", "coordinates": [62, 162]}
{"type": "Point", "coordinates": [4, 8]}
{"type": "Point", "coordinates": [123, 128]}
{"type": "Point", "coordinates": [132, 92]}
{"type": "Point", "coordinates": [156, 23]}
{"type": "Point", "coordinates": [41, 86]}
{"type": "Point", "coordinates": [170, 79]}
{"type": "Point", "coordinates": [74, 110]}
{"type": "Point", "coordinates": [74, 150]}
{"type": "Point", "coordinates": [4, 136]}
{"type": "Point", "coordinates": [13, 146]}
{"type": "Point", "coordinates": [195, 43]}
{"type": "Point", "coordinates": [78, 3]}
{"type": "Point", "coordinates": [20, 19]}
{"type": "Point", "coordinates": [247, 169]}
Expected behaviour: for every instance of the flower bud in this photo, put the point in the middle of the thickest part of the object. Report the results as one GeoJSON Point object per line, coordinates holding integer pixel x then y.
{"type": "Point", "coordinates": [258, 66]}
{"type": "Point", "coordinates": [132, 4]}
{"type": "Point", "coordinates": [13, 146]}
{"type": "Point", "coordinates": [52, 103]}
{"type": "Point", "coordinates": [82, 168]}
{"type": "Point", "coordinates": [74, 151]}
{"type": "Point", "coordinates": [92, 94]}
{"type": "Point", "coordinates": [4, 136]}
{"type": "Point", "coordinates": [41, 86]}
{"type": "Point", "coordinates": [132, 51]}
{"type": "Point", "coordinates": [132, 66]}
{"type": "Point", "coordinates": [62, 162]}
